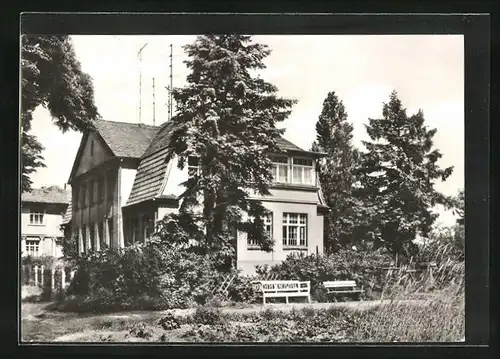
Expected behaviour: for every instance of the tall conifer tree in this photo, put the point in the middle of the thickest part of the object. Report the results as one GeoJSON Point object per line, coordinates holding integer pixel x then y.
{"type": "Point", "coordinates": [398, 173]}
{"type": "Point", "coordinates": [226, 117]}
{"type": "Point", "coordinates": [336, 171]}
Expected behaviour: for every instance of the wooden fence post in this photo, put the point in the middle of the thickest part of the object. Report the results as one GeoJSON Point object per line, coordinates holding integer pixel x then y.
{"type": "Point", "coordinates": [53, 278]}
{"type": "Point", "coordinates": [63, 279]}
{"type": "Point", "coordinates": [36, 275]}
{"type": "Point", "coordinates": [41, 275]}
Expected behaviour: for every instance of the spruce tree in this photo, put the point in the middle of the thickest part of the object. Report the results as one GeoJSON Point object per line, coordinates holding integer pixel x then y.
{"type": "Point", "coordinates": [226, 117]}
{"type": "Point", "coordinates": [336, 171]}
{"type": "Point", "coordinates": [398, 173]}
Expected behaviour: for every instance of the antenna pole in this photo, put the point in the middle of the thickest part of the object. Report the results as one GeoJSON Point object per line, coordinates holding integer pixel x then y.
{"type": "Point", "coordinates": [140, 80]}
{"type": "Point", "coordinates": [171, 85]}
{"type": "Point", "coordinates": [153, 101]}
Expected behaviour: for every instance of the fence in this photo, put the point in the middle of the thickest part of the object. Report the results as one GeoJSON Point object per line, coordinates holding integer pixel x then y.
{"type": "Point", "coordinates": [52, 280]}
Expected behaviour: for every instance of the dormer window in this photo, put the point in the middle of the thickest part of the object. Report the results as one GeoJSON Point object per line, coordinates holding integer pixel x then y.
{"type": "Point", "coordinates": [302, 171]}
{"type": "Point", "coordinates": [296, 170]}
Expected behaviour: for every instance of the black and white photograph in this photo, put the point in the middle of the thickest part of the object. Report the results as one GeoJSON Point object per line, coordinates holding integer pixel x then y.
{"type": "Point", "coordinates": [242, 188]}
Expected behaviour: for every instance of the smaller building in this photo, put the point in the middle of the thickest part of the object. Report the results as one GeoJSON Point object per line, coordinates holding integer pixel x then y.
{"type": "Point", "coordinates": [42, 213]}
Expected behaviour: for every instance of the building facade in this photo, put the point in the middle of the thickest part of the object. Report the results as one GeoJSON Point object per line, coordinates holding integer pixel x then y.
{"type": "Point", "coordinates": [122, 186]}
{"type": "Point", "coordinates": [42, 212]}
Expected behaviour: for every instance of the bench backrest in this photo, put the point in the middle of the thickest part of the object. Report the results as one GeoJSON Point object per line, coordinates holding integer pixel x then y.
{"type": "Point", "coordinates": [283, 286]}
{"type": "Point", "coordinates": [339, 284]}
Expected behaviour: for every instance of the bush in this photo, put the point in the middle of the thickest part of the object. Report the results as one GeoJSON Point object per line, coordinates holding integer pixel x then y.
{"type": "Point", "coordinates": [365, 267]}
{"type": "Point", "coordinates": [46, 261]}
{"type": "Point", "coordinates": [121, 279]}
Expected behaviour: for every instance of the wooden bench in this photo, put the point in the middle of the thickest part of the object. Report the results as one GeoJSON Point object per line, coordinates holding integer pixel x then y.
{"type": "Point", "coordinates": [343, 287]}
{"type": "Point", "coordinates": [283, 289]}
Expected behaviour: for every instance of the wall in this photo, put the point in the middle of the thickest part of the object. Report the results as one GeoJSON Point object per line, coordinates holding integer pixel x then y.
{"type": "Point", "coordinates": [127, 180]}
{"type": "Point", "coordinates": [47, 232]}
{"type": "Point", "coordinates": [248, 258]}
{"type": "Point", "coordinates": [101, 154]}
{"type": "Point", "coordinates": [175, 178]}
{"type": "Point", "coordinates": [53, 219]}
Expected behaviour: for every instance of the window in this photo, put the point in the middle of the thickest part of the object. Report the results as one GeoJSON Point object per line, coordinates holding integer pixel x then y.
{"type": "Point", "coordinates": [268, 227]}
{"type": "Point", "coordinates": [280, 168]}
{"type": "Point", "coordinates": [293, 170]}
{"type": "Point", "coordinates": [302, 171]}
{"type": "Point", "coordinates": [294, 229]}
{"type": "Point", "coordinates": [37, 218]}
{"type": "Point", "coordinates": [32, 247]}
{"type": "Point", "coordinates": [193, 166]}
{"type": "Point", "coordinates": [92, 148]}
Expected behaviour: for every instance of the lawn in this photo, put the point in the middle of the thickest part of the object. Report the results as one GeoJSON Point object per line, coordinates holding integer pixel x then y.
{"type": "Point", "coordinates": [318, 322]}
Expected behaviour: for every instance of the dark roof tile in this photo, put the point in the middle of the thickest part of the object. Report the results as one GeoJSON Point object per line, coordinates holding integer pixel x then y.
{"type": "Point", "coordinates": [126, 139]}
{"type": "Point", "coordinates": [53, 194]}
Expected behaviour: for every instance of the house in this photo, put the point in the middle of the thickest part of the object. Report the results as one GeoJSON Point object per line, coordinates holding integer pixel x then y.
{"type": "Point", "coordinates": [42, 212]}
{"type": "Point", "coordinates": [122, 185]}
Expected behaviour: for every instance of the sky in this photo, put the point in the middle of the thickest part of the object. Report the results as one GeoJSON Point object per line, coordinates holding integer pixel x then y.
{"type": "Point", "coordinates": [427, 71]}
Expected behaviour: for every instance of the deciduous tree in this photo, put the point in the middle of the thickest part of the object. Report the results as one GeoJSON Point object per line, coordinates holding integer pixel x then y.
{"type": "Point", "coordinates": [51, 76]}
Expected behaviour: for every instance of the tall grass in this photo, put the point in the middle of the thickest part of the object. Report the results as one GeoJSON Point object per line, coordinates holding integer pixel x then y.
{"type": "Point", "coordinates": [440, 318]}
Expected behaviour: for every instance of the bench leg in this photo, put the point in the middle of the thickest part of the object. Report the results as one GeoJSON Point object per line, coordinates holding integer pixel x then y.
{"type": "Point", "coordinates": [286, 298]}
{"type": "Point", "coordinates": [264, 299]}
{"type": "Point", "coordinates": [309, 299]}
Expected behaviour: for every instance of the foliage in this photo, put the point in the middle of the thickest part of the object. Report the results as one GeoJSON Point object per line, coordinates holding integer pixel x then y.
{"type": "Point", "coordinates": [346, 264]}
{"type": "Point", "coordinates": [140, 330]}
{"type": "Point", "coordinates": [336, 172]}
{"type": "Point", "coordinates": [459, 206]}
{"type": "Point", "coordinates": [226, 120]}
{"type": "Point", "coordinates": [441, 319]}
{"type": "Point", "coordinates": [70, 247]}
{"type": "Point", "coordinates": [207, 316]}
{"type": "Point", "coordinates": [151, 275]}
{"type": "Point", "coordinates": [44, 260]}
{"type": "Point", "coordinates": [397, 176]}
{"type": "Point", "coordinates": [51, 76]}
{"type": "Point", "coordinates": [169, 322]}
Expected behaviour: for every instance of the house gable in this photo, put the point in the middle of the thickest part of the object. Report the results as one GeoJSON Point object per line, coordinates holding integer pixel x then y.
{"type": "Point", "coordinates": [92, 152]}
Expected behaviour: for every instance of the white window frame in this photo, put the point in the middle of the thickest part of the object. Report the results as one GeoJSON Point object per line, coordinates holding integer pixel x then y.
{"type": "Point", "coordinates": [191, 168]}
{"type": "Point", "coordinates": [290, 165]}
{"type": "Point", "coordinates": [302, 167]}
{"type": "Point", "coordinates": [32, 247]}
{"type": "Point", "coordinates": [37, 214]}
{"type": "Point", "coordinates": [294, 234]}
{"type": "Point", "coordinates": [268, 227]}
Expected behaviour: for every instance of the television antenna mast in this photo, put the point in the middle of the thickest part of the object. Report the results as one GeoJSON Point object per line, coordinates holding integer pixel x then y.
{"type": "Point", "coordinates": [154, 101]}
{"type": "Point", "coordinates": [170, 87]}
{"type": "Point", "coordinates": [140, 80]}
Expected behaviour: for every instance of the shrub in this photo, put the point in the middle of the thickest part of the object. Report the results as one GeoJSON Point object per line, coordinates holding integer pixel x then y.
{"type": "Point", "coordinates": [363, 267]}
{"type": "Point", "coordinates": [208, 316]}
{"type": "Point", "coordinates": [169, 322]}
{"type": "Point", "coordinates": [123, 278]}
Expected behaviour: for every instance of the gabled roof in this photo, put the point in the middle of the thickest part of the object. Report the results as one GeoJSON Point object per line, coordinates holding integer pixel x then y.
{"type": "Point", "coordinates": [126, 139]}
{"type": "Point", "coordinates": [49, 195]}
{"type": "Point", "coordinates": [122, 139]}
